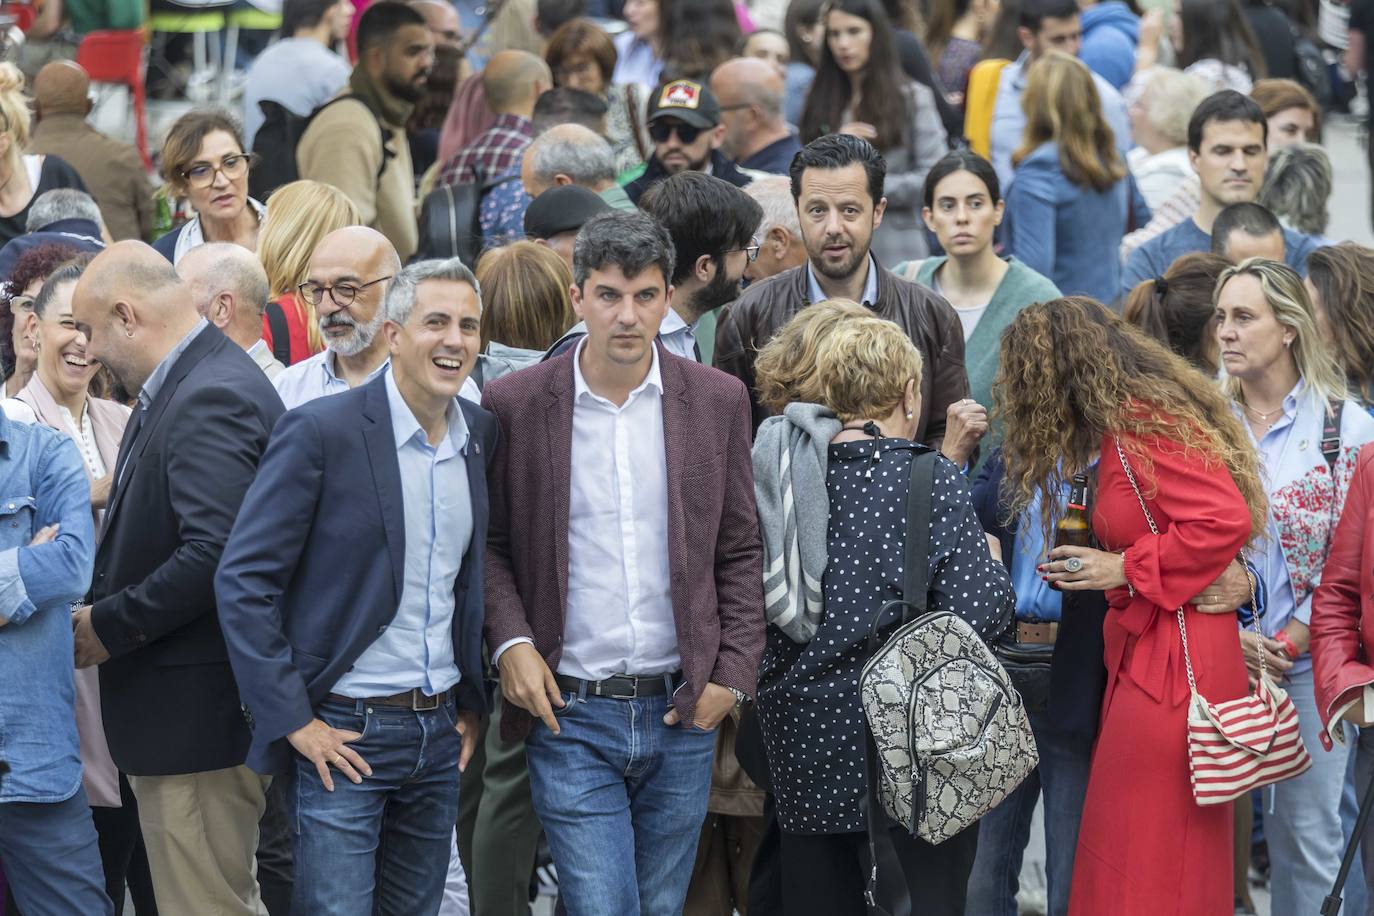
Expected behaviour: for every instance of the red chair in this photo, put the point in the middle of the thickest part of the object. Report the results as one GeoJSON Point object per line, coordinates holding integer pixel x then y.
{"type": "Point", "coordinates": [117, 56]}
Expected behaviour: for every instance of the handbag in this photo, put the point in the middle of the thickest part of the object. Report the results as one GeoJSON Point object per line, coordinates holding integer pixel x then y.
{"type": "Point", "coordinates": [951, 733]}
{"type": "Point", "coordinates": [1237, 745]}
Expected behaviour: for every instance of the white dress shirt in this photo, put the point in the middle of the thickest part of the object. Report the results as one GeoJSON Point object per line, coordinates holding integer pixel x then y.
{"type": "Point", "coordinates": [416, 648]}
{"type": "Point", "coordinates": [314, 378]}
{"type": "Point", "coordinates": [678, 337]}
{"type": "Point", "coordinates": [619, 614]}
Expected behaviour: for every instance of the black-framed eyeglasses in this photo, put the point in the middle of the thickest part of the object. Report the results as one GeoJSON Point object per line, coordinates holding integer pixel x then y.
{"type": "Point", "coordinates": [343, 294]}
{"type": "Point", "coordinates": [751, 251]}
{"type": "Point", "coordinates": [660, 131]}
{"type": "Point", "coordinates": [202, 174]}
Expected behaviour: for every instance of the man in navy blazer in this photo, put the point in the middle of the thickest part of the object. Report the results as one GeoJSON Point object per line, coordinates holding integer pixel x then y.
{"type": "Point", "coordinates": [351, 599]}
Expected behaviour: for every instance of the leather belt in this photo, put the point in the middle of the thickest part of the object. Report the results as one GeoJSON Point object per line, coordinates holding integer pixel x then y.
{"type": "Point", "coordinates": [622, 686]}
{"type": "Point", "coordinates": [1039, 634]}
{"type": "Point", "coordinates": [415, 699]}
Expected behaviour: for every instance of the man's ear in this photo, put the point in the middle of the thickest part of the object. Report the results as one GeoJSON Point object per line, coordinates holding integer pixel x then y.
{"type": "Point", "coordinates": [221, 310]}
{"type": "Point", "coordinates": [717, 136]}
{"type": "Point", "coordinates": [126, 317]}
{"type": "Point", "coordinates": [704, 269]}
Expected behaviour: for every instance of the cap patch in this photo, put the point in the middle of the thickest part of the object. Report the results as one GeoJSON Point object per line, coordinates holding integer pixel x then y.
{"type": "Point", "coordinates": [681, 94]}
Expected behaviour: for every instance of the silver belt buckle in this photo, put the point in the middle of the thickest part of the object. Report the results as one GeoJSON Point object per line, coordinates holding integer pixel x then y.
{"type": "Point", "coordinates": [418, 699]}
{"type": "Point", "coordinates": [633, 695]}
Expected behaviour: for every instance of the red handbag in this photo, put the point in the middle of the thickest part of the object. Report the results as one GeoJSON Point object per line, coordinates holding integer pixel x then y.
{"type": "Point", "coordinates": [1241, 744]}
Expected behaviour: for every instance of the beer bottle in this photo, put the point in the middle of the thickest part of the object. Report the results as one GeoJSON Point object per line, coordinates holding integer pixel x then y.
{"type": "Point", "coordinates": [1072, 530]}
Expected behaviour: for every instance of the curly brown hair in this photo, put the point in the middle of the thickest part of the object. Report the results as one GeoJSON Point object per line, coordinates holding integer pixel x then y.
{"type": "Point", "coordinates": [1071, 372]}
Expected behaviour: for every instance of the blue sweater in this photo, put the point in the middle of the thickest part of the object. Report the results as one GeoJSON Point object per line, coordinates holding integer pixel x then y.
{"type": "Point", "coordinates": [1154, 257]}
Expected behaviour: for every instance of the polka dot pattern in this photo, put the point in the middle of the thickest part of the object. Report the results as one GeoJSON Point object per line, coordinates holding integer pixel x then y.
{"type": "Point", "coordinates": [808, 697]}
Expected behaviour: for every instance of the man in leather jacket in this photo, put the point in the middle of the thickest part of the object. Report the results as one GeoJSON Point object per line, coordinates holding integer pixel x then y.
{"type": "Point", "coordinates": [837, 182]}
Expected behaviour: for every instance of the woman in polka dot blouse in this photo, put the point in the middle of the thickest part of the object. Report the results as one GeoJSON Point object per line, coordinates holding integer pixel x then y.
{"type": "Point", "coordinates": [831, 476]}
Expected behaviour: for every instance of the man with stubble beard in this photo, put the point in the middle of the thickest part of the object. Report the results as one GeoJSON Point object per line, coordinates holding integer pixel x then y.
{"type": "Point", "coordinates": [359, 144]}
{"type": "Point", "coordinates": [685, 125]}
{"type": "Point", "coordinates": [837, 184]}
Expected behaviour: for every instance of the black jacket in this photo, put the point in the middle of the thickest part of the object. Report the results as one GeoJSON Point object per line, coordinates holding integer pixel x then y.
{"type": "Point", "coordinates": [1078, 675]}
{"type": "Point", "coordinates": [654, 172]}
{"type": "Point", "coordinates": [167, 693]}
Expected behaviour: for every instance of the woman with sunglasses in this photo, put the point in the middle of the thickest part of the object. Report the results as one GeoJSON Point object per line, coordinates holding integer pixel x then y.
{"type": "Point", "coordinates": [861, 89]}
{"type": "Point", "coordinates": [203, 161]}
{"type": "Point", "coordinates": [22, 177]}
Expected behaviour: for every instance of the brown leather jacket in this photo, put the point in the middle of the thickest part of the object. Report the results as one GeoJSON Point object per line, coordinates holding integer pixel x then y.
{"type": "Point", "coordinates": [930, 322]}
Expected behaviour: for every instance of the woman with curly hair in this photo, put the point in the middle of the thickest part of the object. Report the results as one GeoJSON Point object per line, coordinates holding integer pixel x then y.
{"type": "Point", "coordinates": [1075, 383]}
{"type": "Point", "coordinates": [1291, 394]}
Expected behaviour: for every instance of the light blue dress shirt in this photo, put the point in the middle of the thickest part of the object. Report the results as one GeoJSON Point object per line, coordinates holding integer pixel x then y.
{"type": "Point", "coordinates": [814, 293]}
{"type": "Point", "coordinates": [416, 650]}
{"type": "Point", "coordinates": [1035, 600]}
{"type": "Point", "coordinates": [164, 368]}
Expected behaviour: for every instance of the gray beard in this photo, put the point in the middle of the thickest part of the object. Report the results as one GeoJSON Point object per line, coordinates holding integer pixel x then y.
{"type": "Point", "coordinates": [359, 340]}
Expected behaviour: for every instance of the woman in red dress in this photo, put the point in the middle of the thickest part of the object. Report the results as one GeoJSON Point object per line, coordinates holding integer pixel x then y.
{"type": "Point", "coordinates": [1075, 382]}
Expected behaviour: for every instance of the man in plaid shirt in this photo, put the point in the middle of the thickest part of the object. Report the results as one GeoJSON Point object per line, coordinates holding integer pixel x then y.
{"type": "Point", "coordinates": [512, 81]}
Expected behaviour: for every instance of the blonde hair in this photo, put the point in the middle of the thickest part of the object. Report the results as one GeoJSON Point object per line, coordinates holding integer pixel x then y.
{"type": "Point", "coordinates": [1062, 105]}
{"type": "Point", "coordinates": [299, 214]}
{"type": "Point", "coordinates": [14, 110]}
{"type": "Point", "coordinates": [526, 301]}
{"type": "Point", "coordinates": [1287, 297]}
{"type": "Point", "coordinates": [840, 355]}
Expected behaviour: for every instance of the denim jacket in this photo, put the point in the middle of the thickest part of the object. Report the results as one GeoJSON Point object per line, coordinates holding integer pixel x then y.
{"type": "Point", "coordinates": [42, 482]}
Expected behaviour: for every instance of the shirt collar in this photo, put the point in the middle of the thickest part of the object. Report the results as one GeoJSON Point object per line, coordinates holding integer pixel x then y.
{"type": "Point", "coordinates": [1290, 400]}
{"type": "Point", "coordinates": [328, 358]}
{"type": "Point", "coordinates": [159, 377]}
{"type": "Point", "coordinates": [580, 386]}
{"type": "Point", "coordinates": [672, 324]}
{"type": "Point", "coordinates": [814, 293]}
{"type": "Point", "coordinates": [513, 122]}
{"type": "Point", "coordinates": [405, 427]}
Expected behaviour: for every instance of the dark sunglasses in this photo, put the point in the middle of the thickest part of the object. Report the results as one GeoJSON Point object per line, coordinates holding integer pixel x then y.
{"type": "Point", "coordinates": [660, 131]}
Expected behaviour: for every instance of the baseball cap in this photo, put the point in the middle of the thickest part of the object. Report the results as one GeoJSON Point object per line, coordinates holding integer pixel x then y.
{"type": "Point", "coordinates": [562, 209]}
{"type": "Point", "coordinates": [686, 100]}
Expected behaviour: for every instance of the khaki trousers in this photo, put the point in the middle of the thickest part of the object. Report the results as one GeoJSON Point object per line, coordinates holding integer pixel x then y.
{"type": "Point", "coordinates": [201, 832]}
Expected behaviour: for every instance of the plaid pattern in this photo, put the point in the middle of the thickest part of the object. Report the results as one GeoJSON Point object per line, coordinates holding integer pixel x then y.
{"type": "Point", "coordinates": [492, 154]}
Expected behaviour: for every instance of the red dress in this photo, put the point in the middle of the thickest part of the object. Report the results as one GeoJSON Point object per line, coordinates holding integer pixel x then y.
{"type": "Point", "coordinates": [1145, 848]}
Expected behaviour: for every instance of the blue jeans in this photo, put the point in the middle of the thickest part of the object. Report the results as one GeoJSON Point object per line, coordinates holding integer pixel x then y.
{"type": "Point", "coordinates": [618, 786]}
{"type": "Point", "coordinates": [388, 837]}
{"type": "Point", "coordinates": [51, 858]}
{"type": "Point", "coordinates": [1302, 816]}
{"type": "Point", "coordinates": [1004, 831]}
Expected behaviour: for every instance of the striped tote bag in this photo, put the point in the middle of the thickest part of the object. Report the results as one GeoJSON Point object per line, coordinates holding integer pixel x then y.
{"type": "Point", "coordinates": [1240, 744]}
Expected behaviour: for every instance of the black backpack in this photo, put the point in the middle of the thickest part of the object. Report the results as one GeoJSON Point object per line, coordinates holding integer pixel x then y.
{"type": "Point", "coordinates": [275, 146]}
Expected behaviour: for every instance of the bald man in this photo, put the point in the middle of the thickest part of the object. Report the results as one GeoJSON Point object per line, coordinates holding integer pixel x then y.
{"type": "Point", "coordinates": [442, 19]}
{"type": "Point", "coordinates": [751, 94]}
{"type": "Point", "coordinates": [112, 171]}
{"type": "Point", "coordinates": [350, 272]}
{"type": "Point", "coordinates": [572, 154]}
{"type": "Point", "coordinates": [170, 702]}
{"type": "Point", "coordinates": [229, 288]}
{"type": "Point", "coordinates": [512, 82]}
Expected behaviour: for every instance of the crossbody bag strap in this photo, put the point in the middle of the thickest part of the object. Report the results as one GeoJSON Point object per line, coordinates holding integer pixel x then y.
{"type": "Point", "coordinates": [1182, 625]}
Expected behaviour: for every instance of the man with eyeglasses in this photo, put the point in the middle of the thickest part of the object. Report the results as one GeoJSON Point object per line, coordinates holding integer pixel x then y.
{"type": "Point", "coordinates": [346, 282]}
{"type": "Point", "coordinates": [684, 123]}
{"type": "Point", "coordinates": [757, 136]}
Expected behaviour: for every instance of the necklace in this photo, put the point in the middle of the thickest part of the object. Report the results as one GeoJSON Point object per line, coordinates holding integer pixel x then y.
{"type": "Point", "coordinates": [1263, 415]}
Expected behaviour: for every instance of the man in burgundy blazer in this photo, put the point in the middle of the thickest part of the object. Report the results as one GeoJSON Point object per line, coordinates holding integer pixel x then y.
{"type": "Point", "coordinates": [624, 578]}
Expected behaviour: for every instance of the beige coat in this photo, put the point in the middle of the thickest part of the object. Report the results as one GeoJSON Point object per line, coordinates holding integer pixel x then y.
{"type": "Point", "coordinates": [343, 147]}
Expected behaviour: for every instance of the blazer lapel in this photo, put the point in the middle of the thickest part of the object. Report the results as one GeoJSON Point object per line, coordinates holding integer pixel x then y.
{"type": "Point", "coordinates": [136, 434]}
{"type": "Point", "coordinates": [675, 434]}
{"type": "Point", "coordinates": [386, 475]}
{"type": "Point", "coordinates": [558, 417]}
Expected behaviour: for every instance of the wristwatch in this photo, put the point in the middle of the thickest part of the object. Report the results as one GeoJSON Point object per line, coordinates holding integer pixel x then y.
{"type": "Point", "coordinates": [740, 696]}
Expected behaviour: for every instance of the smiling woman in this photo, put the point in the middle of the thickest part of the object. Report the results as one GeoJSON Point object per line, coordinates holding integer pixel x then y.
{"type": "Point", "coordinates": [203, 160]}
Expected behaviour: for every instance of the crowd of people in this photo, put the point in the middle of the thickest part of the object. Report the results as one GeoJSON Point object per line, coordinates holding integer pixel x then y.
{"type": "Point", "coordinates": [492, 444]}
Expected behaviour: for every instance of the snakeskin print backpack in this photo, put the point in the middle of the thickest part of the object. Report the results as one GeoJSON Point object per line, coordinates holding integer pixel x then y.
{"type": "Point", "coordinates": [951, 733]}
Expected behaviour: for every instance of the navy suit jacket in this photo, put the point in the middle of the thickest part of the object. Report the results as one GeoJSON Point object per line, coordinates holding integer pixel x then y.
{"type": "Point", "coordinates": [313, 571]}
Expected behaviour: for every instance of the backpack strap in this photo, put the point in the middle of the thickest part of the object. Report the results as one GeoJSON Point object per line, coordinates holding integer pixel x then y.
{"type": "Point", "coordinates": [281, 334]}
{"type": "Point", "coordinates": [1331, 435]}
{"type": "Point", "coordinates": [916, 563]}
{"type": "Point", "coordinates": [387, 153]}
